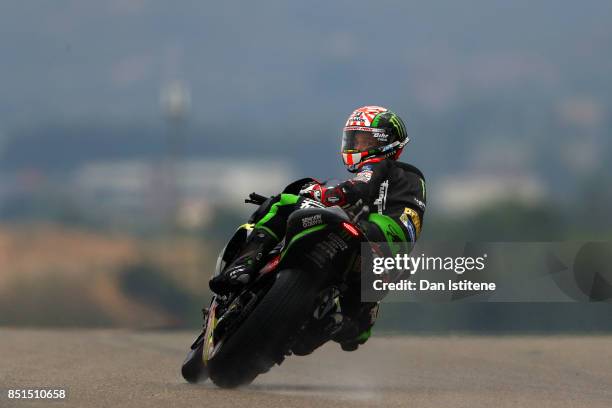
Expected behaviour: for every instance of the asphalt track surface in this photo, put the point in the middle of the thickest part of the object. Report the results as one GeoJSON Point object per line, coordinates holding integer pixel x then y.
{"type": "Point", "coordinates": [114, 368]}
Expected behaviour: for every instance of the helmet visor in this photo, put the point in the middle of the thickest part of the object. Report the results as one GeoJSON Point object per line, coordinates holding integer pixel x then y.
{"type": "Point", "coordinates": [360, 139]}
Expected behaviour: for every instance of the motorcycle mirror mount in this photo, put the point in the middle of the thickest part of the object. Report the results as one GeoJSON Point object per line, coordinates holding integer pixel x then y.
{"type": "Point", "coordinates": [363, 212]}
{"type": "Point", "coordinates": [255, 198]}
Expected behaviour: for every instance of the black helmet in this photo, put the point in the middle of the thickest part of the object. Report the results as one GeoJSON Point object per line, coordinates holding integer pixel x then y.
{"type": "Point", "coordinates": [372, 133]}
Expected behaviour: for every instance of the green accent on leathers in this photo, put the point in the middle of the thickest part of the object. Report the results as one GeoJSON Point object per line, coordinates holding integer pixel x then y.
{"type": "Point", "coordinates": [393, 232]}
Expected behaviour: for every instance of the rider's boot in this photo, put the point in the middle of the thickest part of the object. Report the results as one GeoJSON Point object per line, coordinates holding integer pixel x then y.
{"type": "Point", "coordinates": [356, 329]}
{"type": "Point", "coordinates": [243, 268]}
{"type": "Point", "coordinates": [317, 333]}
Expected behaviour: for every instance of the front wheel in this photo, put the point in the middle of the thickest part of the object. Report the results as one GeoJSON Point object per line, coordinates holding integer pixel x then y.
{"type": "Point", "coordinates": [193, 369]}
{"type": "Point", "coordinates": [262, 339]}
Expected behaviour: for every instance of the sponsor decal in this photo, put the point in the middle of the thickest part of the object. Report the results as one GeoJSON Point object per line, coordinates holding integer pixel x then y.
{"type": "Point", "coordinates": [310, 221]}
{"type": "Point", "coordinates": [365, 129]}
{"type": "Point", "coordinates": [381, 201]}
{"type": "Point", "coordinates": [424, 189]}
{"type": "Point", "coordinates": [399, 127]}
{"type": "Point", "coordinates": [393, 232]}
{"type": "Point", "coordinates": [419, 203]}
{"type": "Point", "coordinates": [381, 136]}
{"type": "Point", "coordinates": [413, 216]}
{"type": "Point", "coordinates": [329, 247]}
{"type": "Point", "coordinates": [389, 147]}
{"type": "Point", "coordinates": [411, 231]}
{"type": "Point", "coordinates": [364, 176]}
{"type": "Point", "coordinates": [357, 117]}
{"type": "Point", "coordinates": [364, 116]}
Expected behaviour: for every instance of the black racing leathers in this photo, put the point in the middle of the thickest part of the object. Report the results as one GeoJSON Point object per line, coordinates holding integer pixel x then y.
{"type": "Point", "coordinates": [393, 191]}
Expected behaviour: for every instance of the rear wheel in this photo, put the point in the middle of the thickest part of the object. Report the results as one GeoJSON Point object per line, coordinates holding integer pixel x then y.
{"type": "Point", "coordinates": [261, 340]}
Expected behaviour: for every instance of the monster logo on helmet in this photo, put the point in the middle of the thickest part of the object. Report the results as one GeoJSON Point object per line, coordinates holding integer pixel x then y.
{"type": "Point", "coordinates": [371, 134]}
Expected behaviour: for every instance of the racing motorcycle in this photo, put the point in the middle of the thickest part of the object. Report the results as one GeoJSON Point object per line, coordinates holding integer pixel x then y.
{"type": "Point", "coordinates": [287, 308]}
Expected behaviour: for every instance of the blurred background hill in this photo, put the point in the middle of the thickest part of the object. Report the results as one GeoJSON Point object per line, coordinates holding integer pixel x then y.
{"type": "Point", "coordinates": [130, 131]}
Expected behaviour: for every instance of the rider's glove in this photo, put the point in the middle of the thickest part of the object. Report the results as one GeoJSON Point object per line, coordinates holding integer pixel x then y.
{"type": "Point", "coordinates": [311, 190]}
{"type": "Point", "coordinates": [328, 196]}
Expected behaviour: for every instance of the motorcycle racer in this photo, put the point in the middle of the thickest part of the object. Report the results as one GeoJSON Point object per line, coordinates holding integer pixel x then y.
{"type": "Point", "coordinates": [373, 139]}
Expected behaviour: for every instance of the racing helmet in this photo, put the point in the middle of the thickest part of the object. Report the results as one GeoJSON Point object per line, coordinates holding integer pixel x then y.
{"type": "Point", "coordinates": [371, 134]}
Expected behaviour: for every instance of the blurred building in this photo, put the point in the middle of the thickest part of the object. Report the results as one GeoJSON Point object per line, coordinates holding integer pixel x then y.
{"type": "Point", "coordinates": [466, 193]}
{"type": "Point", "coordinates": [138, 187]}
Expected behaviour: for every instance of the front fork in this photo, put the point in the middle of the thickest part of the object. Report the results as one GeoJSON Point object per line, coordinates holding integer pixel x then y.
{"type": "Point", "coordinates": [205, 339]}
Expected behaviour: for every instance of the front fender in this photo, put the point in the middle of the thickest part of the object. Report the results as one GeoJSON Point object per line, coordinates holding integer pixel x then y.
{"type": "Point", "coordinates": [233, 246]}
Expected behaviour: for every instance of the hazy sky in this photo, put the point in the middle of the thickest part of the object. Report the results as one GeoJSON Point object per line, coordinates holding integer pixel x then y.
{"type": "Point", "coordinates": [304, 61]}
{"type": "Point", "coordinates": [492, 86]}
